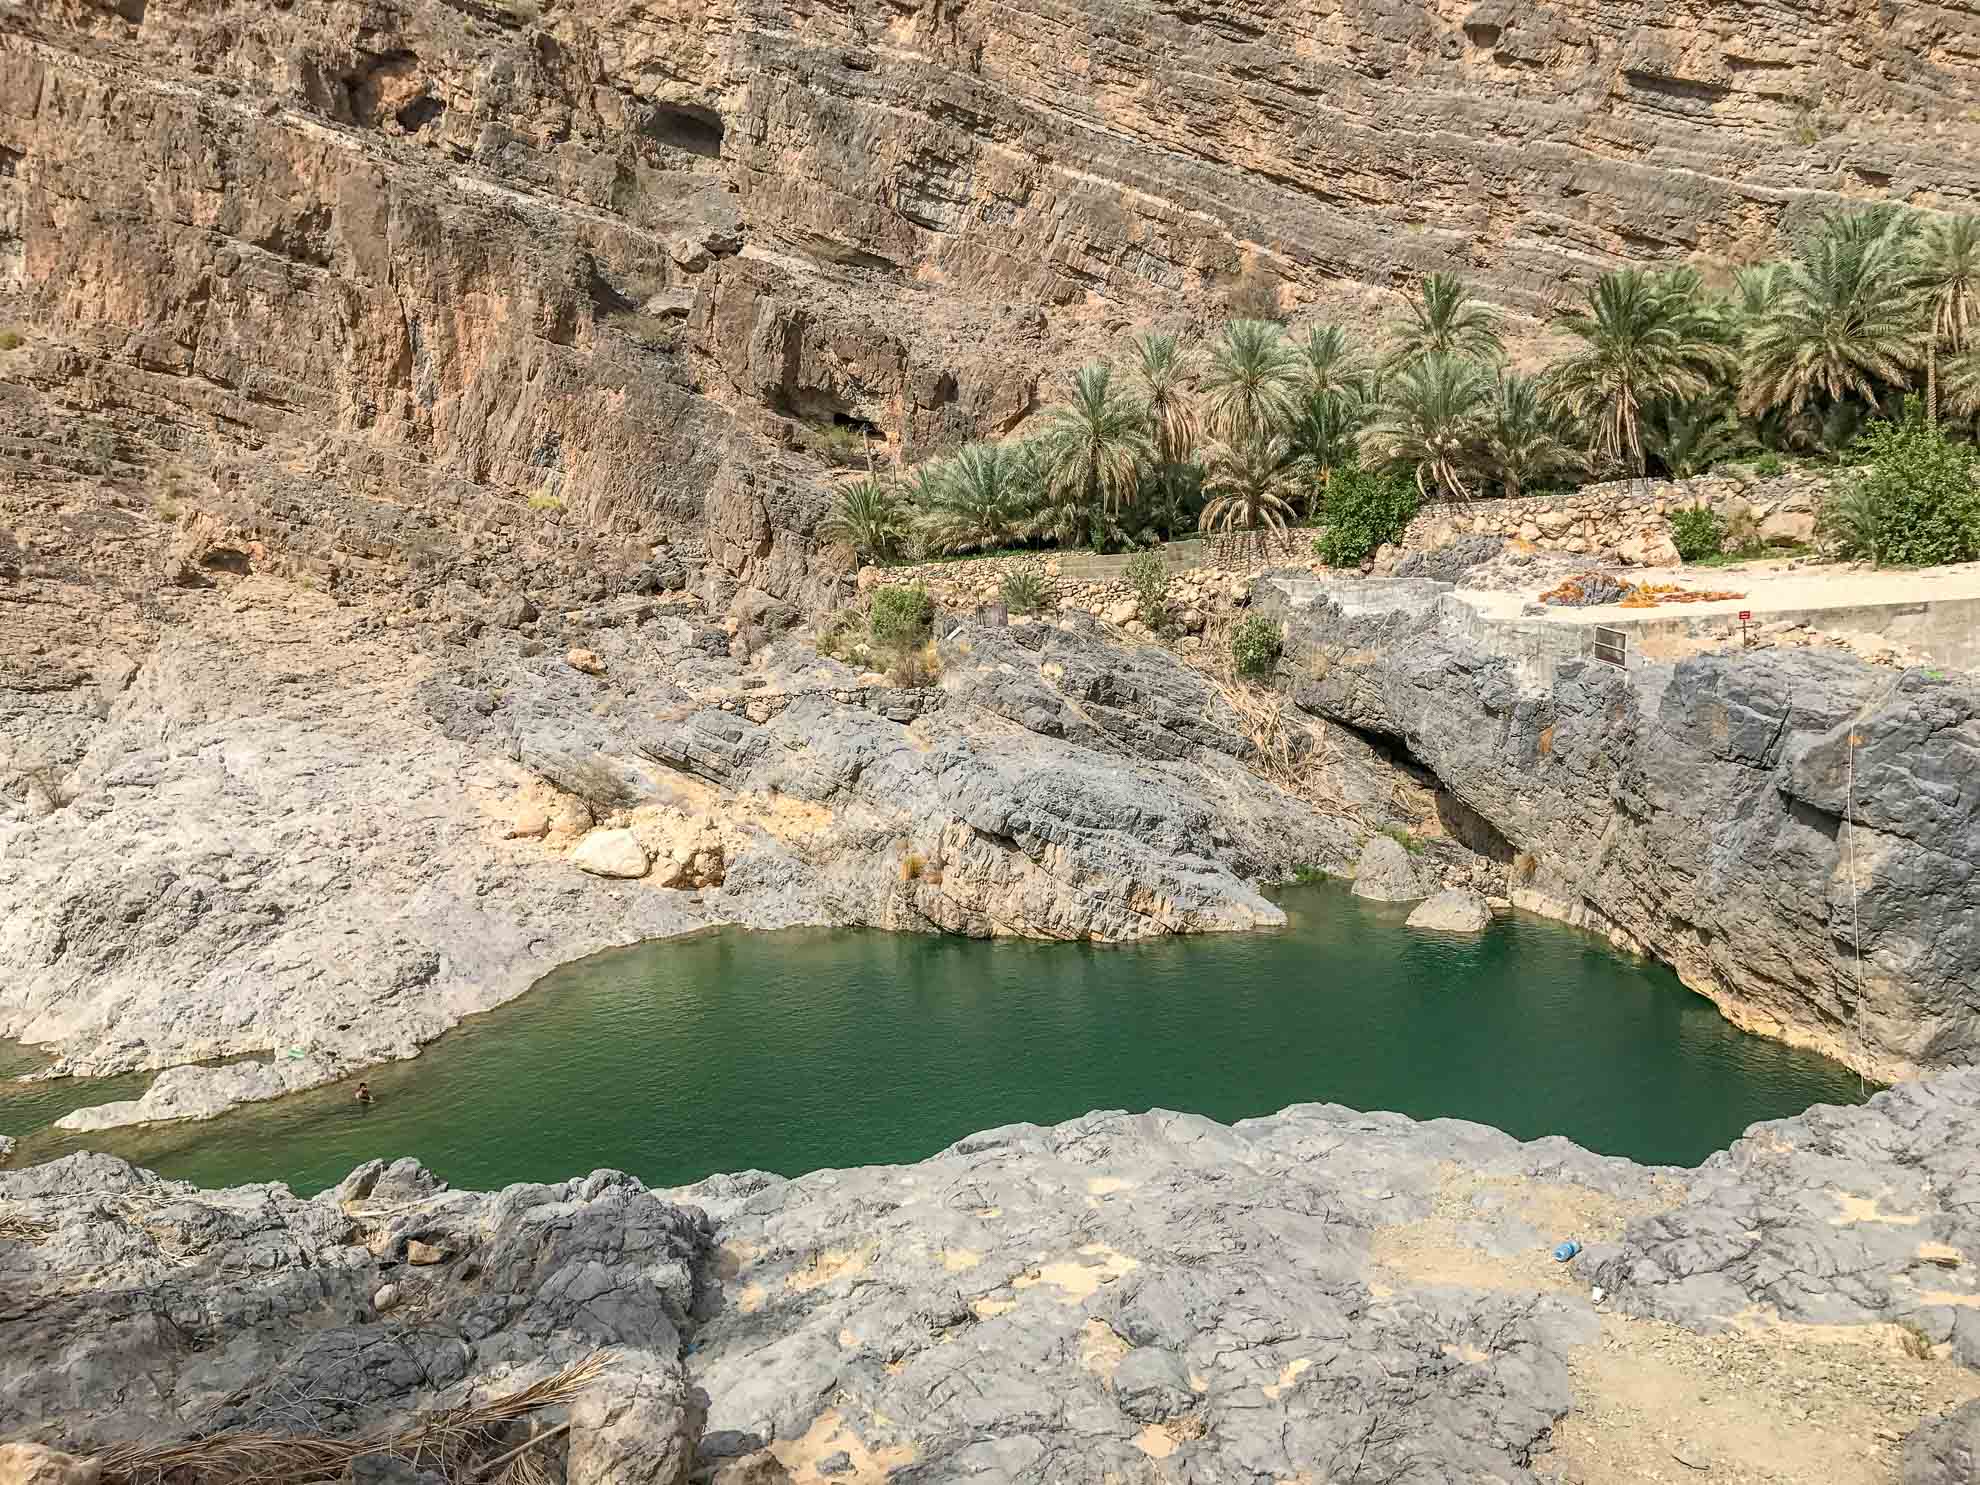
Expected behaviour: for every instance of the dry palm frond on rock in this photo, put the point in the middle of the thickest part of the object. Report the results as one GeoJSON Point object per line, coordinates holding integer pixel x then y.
{"type": "Point", "coordinates": [459, 1441]}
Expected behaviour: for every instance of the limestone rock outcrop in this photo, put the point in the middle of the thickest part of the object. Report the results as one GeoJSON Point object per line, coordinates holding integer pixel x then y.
{"type": "Point", "coordinates": [1749, 818]}
{"type": "Point", "coordinates": [359, 291]}
{"type": "Point", "coordinates": [1084, 1301]}
{"type": "Point", "coordinates": [1385, 873]}
{"type": "Point", "coordinates": [360, 836]}
{"type": "Point", "coordinates": [1945, 1451]}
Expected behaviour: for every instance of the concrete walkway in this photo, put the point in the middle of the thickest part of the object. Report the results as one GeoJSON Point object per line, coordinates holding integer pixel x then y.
{"type": "Point", "coordinates": [1935, 611]}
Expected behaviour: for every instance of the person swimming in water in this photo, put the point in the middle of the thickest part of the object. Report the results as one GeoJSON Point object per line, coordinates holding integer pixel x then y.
{"type": "Point", "coordinates": [364, 1093]}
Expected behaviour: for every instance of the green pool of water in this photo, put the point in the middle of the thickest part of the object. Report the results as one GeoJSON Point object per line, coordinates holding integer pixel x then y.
{"type": "Point", "coordinates": [792, 1051]}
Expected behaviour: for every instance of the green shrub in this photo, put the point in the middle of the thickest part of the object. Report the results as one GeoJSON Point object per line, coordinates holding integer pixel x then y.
{"type": "Point", "coordinates": [1025, 590]}
{"type": "Point", "coordinates": [1404, 838]}
{"type": "Point", "coordinates": [1697, 532]}
{"type": "Point", "coordinates": [844, 638]}
{"type": "Point", "coordinates": [1915, 504]}
{"type": "Point", "coordinates": [1304, 875]}
{"type": "Point", "coordinates": [1255, 646]}
{"type": "Point", "coordinates": [1768, 465]}
{"type": "Point", "coordinates": [1148, 576]}
{"type": "Point", "coordinates": [11, 340]}
{"type": "Point", "coordinates": [541, 501]}
{"type": "Point", "coordinates": [900, 618]}
{"type": "Point", "coordinates": [1359, 511]}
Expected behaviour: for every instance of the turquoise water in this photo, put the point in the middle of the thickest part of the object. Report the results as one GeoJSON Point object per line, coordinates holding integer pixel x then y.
{"type": "Point", "coordinates": [792, 1051]}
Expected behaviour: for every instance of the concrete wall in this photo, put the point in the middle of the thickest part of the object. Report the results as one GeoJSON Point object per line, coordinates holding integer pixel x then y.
{"type": "Point", "coordinates": [1944, 630]}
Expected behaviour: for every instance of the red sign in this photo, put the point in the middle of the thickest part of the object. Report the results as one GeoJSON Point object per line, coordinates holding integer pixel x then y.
{"type": "Point", "coordinates": [1745, 614]}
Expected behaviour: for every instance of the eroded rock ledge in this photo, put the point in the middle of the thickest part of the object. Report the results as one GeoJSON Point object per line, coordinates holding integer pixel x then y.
{"type": "Point", "coordinates": [1141, 1297]}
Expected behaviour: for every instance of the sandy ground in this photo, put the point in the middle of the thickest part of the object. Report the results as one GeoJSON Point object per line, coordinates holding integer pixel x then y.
{"type": "Point", "coordinates": [1767, 1404]}
{"type": "Point", "coordinates": [1780, 1405]}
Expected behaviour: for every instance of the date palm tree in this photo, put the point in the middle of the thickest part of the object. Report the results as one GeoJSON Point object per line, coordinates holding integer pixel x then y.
{"type": "Point", "coordinates": [1329, 362]}
{"type": "Point", "coordinates": [1526, 435]}
{"type": "Point", "coordinates": [1096, 442]}
{"type": "Point", "coordinates": [1090, 457]}
{"type": "Point", "coordinates": [1431, 421]}
{"type": "Point", "coordinates": [1161, 371]}
{"type": "Point", "coordinates": [1252, 483]}
{"type": "Point", "coordinates": [1947, 277]}
{"type": "Point", "coordinates": [1161, 374]}
{"type": "Point", "coordinates": [867, 516]}
{"type": "Point", "coordinates": [1250, 382]}
{"type": "Point", "coordinates": [980, 499]}
{"type": "Point", "coordinates": [1845, 324]}
{"type": "Point", "coordinates": [1688, 438]}
{"type": "Point", "coordinates": [1324, 431]}
{"type": "Point", "coordinates": [1959, 393]}
{"type": "Point", "coordinates": [1444, 320]}
{"type": "Point", "coordinates": [1755, 292]}
{"type": "Point", "coordinates": [1645, 337]}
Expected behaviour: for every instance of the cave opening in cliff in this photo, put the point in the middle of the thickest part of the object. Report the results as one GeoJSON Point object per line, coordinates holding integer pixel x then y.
{"type": "Point", "coordinates": [854, 423]}
{"type": "Point", "coordinates": [420, 112]}
{"type": "Point", "coordinates": [685, 126]}
{"type": "Point", "coordinates": [1458, 820]}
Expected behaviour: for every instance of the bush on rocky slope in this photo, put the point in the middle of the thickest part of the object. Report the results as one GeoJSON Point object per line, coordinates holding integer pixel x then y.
{"type": "Point", "coordinates": [1255, 645]}
{"type": "Point", "coordinates": [1915, 505]}
{"type": "Point", "coordinates": [1697, 532]}
{"type": "Point", "coordinates": [1148, 575]}
{"type": "Point", "coordinates": [1025, 590]}
{"type": "Point", "coordinates": [1361, 510]}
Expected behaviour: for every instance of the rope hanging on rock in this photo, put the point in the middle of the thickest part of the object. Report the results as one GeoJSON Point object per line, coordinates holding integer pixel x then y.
{"type": "Point", "coordinates": [1855, 927]}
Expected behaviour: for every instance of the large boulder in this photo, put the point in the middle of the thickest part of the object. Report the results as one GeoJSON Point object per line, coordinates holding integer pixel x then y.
{"type": "Point", "coordinates": [1651, 546]}
{"type": "Point", "coordinates": [611, 853]}
{"type": "Point", "coordinates": [1945, 1451]}
{"type": "Point", "coordinates": [1457, 910]}
{"type": "Point", "coordinates": [1387, 873]}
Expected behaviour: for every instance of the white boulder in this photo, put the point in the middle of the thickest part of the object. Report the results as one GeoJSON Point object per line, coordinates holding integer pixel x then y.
{"type": "Point", "coordinates": [611, 853]}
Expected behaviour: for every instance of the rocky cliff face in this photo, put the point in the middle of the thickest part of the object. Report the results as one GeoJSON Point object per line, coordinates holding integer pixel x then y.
{"type": "Point", "coordinates": [356, 279]}
{"type": "Point", "coordinates": [1319, 1294]}
{"type": "Point", "coordinates": [1706, 812]}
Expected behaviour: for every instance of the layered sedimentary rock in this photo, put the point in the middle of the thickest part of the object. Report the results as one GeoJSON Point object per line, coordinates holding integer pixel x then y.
{"type": "Point", "coordinates": [361, 278]}
{"type": "Point", "coordinates": [1755, 820]}
{"type": "Point", "coordinates": [1154, 1297]}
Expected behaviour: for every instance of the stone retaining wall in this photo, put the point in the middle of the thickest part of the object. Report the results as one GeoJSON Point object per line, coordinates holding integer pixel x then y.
{"type": "Point", "coordinates": [1076, 570]}
{"type": "Point", "coordinates": [1620, 521]}
{"type": "Point", "coordinates": [1623, 520]}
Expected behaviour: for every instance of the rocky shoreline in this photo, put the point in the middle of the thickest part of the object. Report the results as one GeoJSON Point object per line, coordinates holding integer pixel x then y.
{"type": "Point", "coordinates": [1709, 812]}
{"type": "Point", "coordinates": [377, 827]}
{"type": "Point", "coordinates": [1143, 1297]}
{"type": "Point", "coordinates": [366, 834]}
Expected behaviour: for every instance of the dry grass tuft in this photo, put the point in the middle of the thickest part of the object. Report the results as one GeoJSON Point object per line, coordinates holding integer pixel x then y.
{"type": "Point", "coordinates": [20, 1230]}
{"type": "Point", "coordinates": [452, 1441]}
